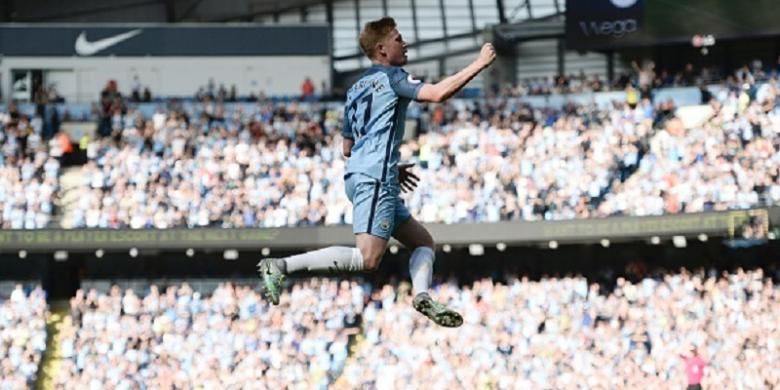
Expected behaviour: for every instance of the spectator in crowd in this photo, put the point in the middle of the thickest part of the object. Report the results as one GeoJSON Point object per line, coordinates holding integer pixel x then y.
{"type": "Point", "coordinates": [307, 89]}
{"type": "Point", "coordinates": [135, 95]}
{"type": "Point", "coordinates": [694, 368]}
{"type": "Point", "coordinates": [112, 106]}
{"type": "Point", "coordinates": [222, 93]}
{"type": "Point", "coordinates": [233, 96]}
{"type": "Point", "coordinates": [147, 95]}
{"type": "Point", "coordinates": [645, 76]}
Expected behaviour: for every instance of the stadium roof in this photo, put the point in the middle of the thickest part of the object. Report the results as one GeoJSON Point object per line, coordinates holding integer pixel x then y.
{"type": "Point", "coordinates": [159, 11]}
{"type": "Point", "coordinates": [170, 11]}
{"type": "Point", "coordinates": [435, 29]}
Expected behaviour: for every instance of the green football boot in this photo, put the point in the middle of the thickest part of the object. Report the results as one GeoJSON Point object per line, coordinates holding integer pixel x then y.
{"type": "Point", "coordinates": [273, 278]}
{"type": "Point", "coordinates": [436, 311]}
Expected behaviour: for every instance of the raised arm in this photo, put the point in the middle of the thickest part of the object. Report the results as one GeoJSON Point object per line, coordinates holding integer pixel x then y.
{"type": "Point", "coordinates": [444, 89]}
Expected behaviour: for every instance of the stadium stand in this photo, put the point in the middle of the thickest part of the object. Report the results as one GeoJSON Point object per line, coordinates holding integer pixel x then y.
{"type": "Point", "coordinates": [553, 332]}
{"type": "Point", "coordinates": [730, 161]}
{"type": "Point", "coordinates": [29, 170]}
{"type": "Point", "coordinates": [255, 165]}
{"type": "Point", "coordinates": [565, 333]}
{"type": "Point", "coordinates": [228, 338]}
{"type": "Point", "coordinates": [22, 335]}
{"type": "Point", "coordinates": [480, 161]}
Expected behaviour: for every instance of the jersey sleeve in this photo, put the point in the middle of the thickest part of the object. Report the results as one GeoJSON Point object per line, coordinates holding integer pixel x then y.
{"type": "Point", "coordinates": [404, 84]}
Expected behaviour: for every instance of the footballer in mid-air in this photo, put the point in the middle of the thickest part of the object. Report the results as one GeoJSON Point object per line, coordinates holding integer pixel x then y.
{"type": "Point", "coordinates": [373, 128]}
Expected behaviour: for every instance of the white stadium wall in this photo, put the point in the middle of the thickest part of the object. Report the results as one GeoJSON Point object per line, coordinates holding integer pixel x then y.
{"type": "Point", "coordinates": [80, 79]}
{"type": "Point", "coordinates": [172, 60]}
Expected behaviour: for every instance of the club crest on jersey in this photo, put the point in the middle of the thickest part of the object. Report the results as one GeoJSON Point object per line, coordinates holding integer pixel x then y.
{"type": "Point", "coordinates": [412, 80]}
{"type": "Point", "coordinates": [385, 225]}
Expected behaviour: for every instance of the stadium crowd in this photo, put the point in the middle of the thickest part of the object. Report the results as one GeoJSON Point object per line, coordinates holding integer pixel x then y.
{"type": "Point", "coordinates": [22, 337]}
{"type": "Point", "coordinates": [238, 169]}
{"type": "Point", "coordinates": [29, 169]}
{"type": "Point", "coordinates": [562, 333]}
{"type": "Point", "coordinates": [480, 161]}
{"type": "Point", "coordinates": [270, 165]}
{"type": "Point", "coordinates": [175, 337]}
{"type": "Point", "coordinates": [491, 163]}
{"type": "Point", "coordinates": [281, 166]}
{"type": "Point", "coordinates": [645, 76]}
{"type": "Point", "coordinates": [731, 160]}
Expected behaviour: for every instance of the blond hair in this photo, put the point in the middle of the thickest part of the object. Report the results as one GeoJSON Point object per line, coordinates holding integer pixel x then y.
{"type": "Point", "coordinates": [373, 33]}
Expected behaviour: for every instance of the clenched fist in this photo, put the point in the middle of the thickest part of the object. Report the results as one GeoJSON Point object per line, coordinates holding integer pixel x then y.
{"type": "Point", "coordinates": [488, 54]}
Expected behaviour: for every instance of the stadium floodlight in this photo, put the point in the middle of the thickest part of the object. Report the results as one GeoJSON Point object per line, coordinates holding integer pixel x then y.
{"type": "Point", "coordinates": [61, 255]}
{"type": "Point", "coordinates": [22, 254]}
{"type": "Point", "coordinates": [679, 241]}
{"type": "Point", "coordinates": [133, 252]}
{"type": "Point", "coordinates": [655, 240]}
{"type": "Point", "coordinates": [446, 248]}
{"type": "Point", "coordinates": [265, 251]}
{"type": "Point", "coordinates": [393, 249]}
{"type": "Point", "coordinates": [476, 250]}
{"type": "Point", "coordinates": [501, 246]}
{"type": "Point", "coordinates": [553, 244]}
{"type": "Point", "coordinates": [703, 237]}
{"type": "Point", "coordinates": [189, 252]}
{"type": "Point", "coordinates": [99, 253]}
{"type": "Point", "coordinates": [605, 243]}
{"type": "Point", "coordinates": [230, 254]}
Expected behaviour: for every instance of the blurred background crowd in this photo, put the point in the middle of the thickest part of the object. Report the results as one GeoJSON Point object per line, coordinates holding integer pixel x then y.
{"type": "Point", "coordinates": [29, 171]}
{"type": "Point", "coordinates": [228, 338]}
{"type": "Point", "coordinates": [660, 330]}
{"type": "Point", "coordinates": [269, 164]}
{"type": "Point", "coordinates": [22, 337]}
{"type": "Point", "coordinates": [564, 333]}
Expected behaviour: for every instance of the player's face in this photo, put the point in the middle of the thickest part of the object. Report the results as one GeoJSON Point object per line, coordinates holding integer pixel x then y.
{"type": "Point", "coordinates": [395, 49]}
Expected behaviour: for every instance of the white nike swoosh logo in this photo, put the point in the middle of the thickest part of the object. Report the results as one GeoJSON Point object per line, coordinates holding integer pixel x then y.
{"type": "Point", "coordinates": [412, 80]}
{"type": "Point", "coordinates": [86, 48]}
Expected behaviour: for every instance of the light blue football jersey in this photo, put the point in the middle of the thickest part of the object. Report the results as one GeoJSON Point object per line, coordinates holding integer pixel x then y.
{"type": "Point", "coordinates": [374, 118]}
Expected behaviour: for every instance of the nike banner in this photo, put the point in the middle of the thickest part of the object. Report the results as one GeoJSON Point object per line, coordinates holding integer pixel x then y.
{"type": "Point", "coordinates": [157, 40]}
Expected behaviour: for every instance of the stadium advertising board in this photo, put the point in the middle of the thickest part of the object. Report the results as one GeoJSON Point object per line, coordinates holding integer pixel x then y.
{"type": "Point", "coordinates": [132, 40]}
{"type": "Point", "coordinates": [602, 24]}
{"type": "Point", "coordinates": [589, 230]}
